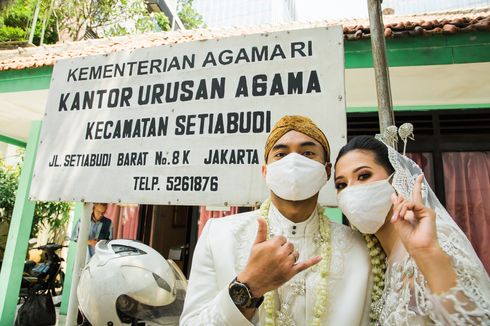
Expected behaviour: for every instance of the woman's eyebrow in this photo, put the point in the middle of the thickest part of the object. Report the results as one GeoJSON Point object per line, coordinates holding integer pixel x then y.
{"type": "Point", "coordinates": [338, 177]}
{"type": "Point", "coordinates": [354, 171]}
{"type": "Point", "coordinates": [360, 167]}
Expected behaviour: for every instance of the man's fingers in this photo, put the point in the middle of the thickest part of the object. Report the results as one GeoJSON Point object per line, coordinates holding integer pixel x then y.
{"type": "Point", "coordinates": [261, 231]}
{"type": "Point", "coordinates": [293, 257]}
{"type": "Point", "coordinates": [417, 189]}
{"type": "Point", "coordinates": [288, 248]}
{"type": "Point", "coordinates": [301, 266]}
{"type": "Point", "coordinates": [296, 255]}
{"type": "Point", "coordinates": [280, 239]}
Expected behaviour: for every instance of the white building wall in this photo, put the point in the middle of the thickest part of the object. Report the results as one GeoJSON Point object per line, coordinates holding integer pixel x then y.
{"type": "Point", "coordinates": [226, 13]}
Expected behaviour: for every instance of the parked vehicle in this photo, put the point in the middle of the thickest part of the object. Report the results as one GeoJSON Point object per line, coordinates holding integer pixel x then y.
{"type": "Point", "coordinates": [45, 276]}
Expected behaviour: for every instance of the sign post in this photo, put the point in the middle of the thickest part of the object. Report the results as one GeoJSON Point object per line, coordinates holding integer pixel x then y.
{"type": "Point", "coordinates": [70, 262]}
{"type": "Point", "coordinates": [71, 317]}
{"type": "Point", "coordinates": [380, 64]}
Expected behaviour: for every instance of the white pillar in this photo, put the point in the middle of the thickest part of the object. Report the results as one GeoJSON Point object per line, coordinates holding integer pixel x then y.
{"type": "Point", "coordinates": [71, 317]}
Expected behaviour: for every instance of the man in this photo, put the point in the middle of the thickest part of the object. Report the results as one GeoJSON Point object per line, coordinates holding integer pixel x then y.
{"type": "Point", "coordinates": [310, 270]}
{"type": "Point", "coordinates": [100, 228]}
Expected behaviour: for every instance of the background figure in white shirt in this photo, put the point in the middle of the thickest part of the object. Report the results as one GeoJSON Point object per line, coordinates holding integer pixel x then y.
{"type": "Point", "coordinates": [285, 264]}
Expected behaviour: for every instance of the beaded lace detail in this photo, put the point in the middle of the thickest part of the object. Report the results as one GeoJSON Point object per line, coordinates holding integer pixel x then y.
{"type": "Point", "coordinates": [406, 299]}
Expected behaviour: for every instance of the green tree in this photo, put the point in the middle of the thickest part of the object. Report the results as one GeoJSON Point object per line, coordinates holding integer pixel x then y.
{"type": "Point", "coordinates": [118, 17]}
{"type": "Point", "coordinates": [189, 16]}
{"type": "Point", "coordinates": [102, 18]}
{"type": "Point", "coordinates": [16, 18]}
{"type": "Point", "coordinates": [78, 19]}
{"type": "Point", "coordinates": [3, 3]}
{"type": "Point", "coordinates": [53, 215]}
{"type": "Point", "coordinates": [162, 21]}
{"type": "Point", "coordinates": [9, 176]}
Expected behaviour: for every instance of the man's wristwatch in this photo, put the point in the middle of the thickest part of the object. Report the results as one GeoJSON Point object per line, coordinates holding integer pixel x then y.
{"type": "Point", "coordinates": [242, 296]}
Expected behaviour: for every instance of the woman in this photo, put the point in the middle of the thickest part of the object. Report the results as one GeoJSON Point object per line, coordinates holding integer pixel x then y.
{"type": "Point", "coordinates": [425, 270]}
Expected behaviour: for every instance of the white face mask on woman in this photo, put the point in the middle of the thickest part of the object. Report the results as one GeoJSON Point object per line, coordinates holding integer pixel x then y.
{"type": "Point", "coordinates": [367, 205]}
{"type": "Point", "coordinates": [295, 177]}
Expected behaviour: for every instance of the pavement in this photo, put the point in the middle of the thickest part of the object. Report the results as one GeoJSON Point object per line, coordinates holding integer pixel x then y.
{"type": "Point", "coordinates": [60, 319]}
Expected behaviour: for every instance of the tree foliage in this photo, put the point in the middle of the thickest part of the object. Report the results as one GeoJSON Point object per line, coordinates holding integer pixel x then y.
{"type": "Point", "coordinates": [3, 3]}
{"type": "Point", "coordinates": [53, 215]}
{"type": "Point", "coordinates": [9, 176]}
{"type": "Point", "coordinates": [16, 17]}
{"type": "Point", "coordinates": [103, 18]}
{"type": "Point", "coordinates": [77, 19]}
{"type": "Point", "coordinates": [162, 21]}
{"type": "Point", "coordinates": [189, 16]}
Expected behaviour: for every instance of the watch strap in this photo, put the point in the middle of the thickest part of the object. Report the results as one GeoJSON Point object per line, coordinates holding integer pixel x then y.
{"type": "Point", "coordinates": [255, 302]}
{"type": "Point", "coordinates": [252, 301]}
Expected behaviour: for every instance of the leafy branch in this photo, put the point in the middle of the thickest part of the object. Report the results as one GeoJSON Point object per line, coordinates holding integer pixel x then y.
{"type": "Point", "coordinates": [51, 215]}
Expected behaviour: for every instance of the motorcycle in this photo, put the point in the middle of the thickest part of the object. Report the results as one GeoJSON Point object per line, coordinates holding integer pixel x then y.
{"type": "Point", "coordinates": [43, 277]}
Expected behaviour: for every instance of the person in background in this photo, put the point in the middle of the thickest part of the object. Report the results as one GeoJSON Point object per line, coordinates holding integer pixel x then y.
{"type": "Point", "coordinates": [100, 228]}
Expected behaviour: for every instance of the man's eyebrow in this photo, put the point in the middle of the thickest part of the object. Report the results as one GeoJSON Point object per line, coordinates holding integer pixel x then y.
{"type": "Point", "coordinates": [308, 143]}
{"type": "Point", "coordinates": [280, 146]}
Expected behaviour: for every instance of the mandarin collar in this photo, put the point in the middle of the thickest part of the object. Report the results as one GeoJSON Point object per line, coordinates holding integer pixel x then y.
{"type": "Point", "coordinates": [281, 225]}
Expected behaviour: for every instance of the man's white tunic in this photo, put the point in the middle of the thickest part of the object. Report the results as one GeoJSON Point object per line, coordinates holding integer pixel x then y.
{"type": "Point", "coordinates": [222, 253]}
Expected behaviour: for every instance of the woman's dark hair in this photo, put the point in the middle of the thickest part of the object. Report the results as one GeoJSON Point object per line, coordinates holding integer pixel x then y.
{"type": "Point", "coordinates": [371, 144]}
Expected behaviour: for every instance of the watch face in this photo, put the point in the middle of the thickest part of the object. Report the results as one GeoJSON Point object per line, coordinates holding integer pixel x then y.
{"type": "Point", "coordinates": [239, 294]}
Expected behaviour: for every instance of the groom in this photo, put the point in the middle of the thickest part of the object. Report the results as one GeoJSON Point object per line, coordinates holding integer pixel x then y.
{"type": "Point", "coordinates": [284, 264]}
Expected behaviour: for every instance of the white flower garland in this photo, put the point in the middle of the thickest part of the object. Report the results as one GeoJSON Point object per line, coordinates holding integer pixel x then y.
{"type": "Point", "coordinates": [321, 301]}
{"type": "Point", "coordinates": [378, 270]}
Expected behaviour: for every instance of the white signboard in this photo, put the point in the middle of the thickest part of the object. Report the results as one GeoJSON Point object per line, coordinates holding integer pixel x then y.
{"type": "Point", "coordinates": [185, 124]}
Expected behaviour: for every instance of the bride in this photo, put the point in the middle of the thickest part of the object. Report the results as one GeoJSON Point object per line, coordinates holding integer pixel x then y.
{"type": "Point", "coordinates": [424, 269]}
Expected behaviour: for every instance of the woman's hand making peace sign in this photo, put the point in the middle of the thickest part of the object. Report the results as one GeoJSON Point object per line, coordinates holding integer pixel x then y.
{"type": "Point", "coordinates": [414, 222]}
{"type": "Point", "coordinates": [416, 226]}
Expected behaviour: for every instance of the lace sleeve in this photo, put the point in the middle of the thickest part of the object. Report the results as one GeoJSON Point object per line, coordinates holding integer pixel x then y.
{"type": "Point", "coordinates": [468, 303]}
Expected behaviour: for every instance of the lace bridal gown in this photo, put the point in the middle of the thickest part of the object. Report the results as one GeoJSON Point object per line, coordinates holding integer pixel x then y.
{"type": "Point", "coordinates": [406, 299]}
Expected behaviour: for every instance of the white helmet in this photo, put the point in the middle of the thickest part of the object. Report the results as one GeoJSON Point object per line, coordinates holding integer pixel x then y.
{"type": "Point", "coordinates": [127, 281]}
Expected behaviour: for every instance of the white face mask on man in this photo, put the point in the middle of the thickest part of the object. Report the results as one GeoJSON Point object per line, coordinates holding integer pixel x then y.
{"type": "Point", "coordinates": [367, 205]}
{"type": "Point", "coordinates": [295, 177]}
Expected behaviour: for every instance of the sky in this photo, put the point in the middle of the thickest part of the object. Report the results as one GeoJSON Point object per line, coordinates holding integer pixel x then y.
{"type": "Point", "coordinates": [331, 9]}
